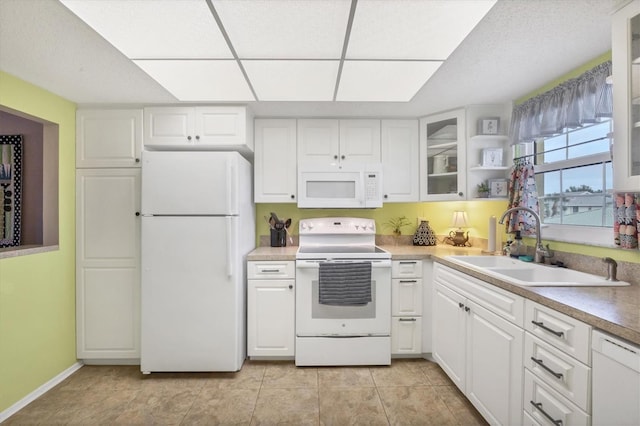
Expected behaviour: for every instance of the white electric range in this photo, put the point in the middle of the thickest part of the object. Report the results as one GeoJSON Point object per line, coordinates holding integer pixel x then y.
{"type": "Point", "coordinates": [349, 325]}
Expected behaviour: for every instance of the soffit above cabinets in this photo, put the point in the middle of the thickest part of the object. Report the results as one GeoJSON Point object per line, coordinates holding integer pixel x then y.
{"type": "Point", "coordinates": [285, 50]}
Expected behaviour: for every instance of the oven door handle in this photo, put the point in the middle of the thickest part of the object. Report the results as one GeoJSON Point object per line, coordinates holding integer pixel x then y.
{"type": "Point", "coordinates": [315, 263]}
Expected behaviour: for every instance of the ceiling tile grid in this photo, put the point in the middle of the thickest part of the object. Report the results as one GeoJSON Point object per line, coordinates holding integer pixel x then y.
{"type": "Point", "coordinates": [285, 50]}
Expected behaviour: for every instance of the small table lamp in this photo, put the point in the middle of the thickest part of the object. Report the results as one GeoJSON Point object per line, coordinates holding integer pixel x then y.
{"type": "Point", "coordinates": [459, 221]}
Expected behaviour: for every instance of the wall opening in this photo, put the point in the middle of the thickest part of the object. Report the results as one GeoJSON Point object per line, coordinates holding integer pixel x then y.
{"type": "Point", "coordinates": [39, 177]}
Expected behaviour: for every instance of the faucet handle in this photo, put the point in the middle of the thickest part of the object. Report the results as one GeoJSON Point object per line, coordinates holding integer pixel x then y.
{"type": "Point", "coordinates": [612, 268]}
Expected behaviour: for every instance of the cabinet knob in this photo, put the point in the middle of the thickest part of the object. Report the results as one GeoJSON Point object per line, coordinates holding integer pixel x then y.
{"type": "Point", "coordinates": [197, 137]}
{"type": "Point", "coordinates": [460, 305]}
{"type": "Point", "coordinates": [467, 309]}
{"type": "Point", "coordinates": [342, 157]}
{"type": "Point", "coordinates": [335, 157]}
{"type": "Point", "coordinates": [137, 160]}
{"type": "Point", "coordinates": [460, 193]}
{"type": "Point", "coordinates": [290, 286]}
{"type": "Point", "coordinates": [293, 196]}
{"type": "Point", "coordinates": [386, 196]}
{"type": "Point", "coordinates": [188, 138]}
{"type": "Point", "coordinates": [137, 213]}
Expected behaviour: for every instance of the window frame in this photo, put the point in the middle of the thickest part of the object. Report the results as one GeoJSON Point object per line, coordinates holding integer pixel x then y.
{"type": "Point", "coordinates": [601, 236]}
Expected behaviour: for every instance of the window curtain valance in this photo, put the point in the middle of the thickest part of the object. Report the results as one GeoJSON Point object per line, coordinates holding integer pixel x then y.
{"type": "Point", "coordinates": [584, 99]}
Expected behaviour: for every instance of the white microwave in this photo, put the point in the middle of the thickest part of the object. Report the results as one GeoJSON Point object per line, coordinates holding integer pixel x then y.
{"type": "Point", "coordinates": [347, 186]}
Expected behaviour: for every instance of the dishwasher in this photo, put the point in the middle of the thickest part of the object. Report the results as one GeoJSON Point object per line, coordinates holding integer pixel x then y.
{"type": "Point", "coordinates": [615, 381]}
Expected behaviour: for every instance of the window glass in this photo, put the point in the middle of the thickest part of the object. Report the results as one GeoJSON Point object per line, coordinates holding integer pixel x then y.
{"type": "Point", "coordinates": [574, 177]}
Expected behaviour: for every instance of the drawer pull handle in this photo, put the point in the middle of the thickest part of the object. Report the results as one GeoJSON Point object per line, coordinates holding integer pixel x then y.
{"type": "Point", "coordinates": [408, 281]}
{"type": "Point", "coordinates": [408, 262]}
{"type": "Point", "coordinates": [541, 364]}
{"type": "Point", "coordinates": [269, 270]}
{"type": "Point", "coordinates": [538, 405]}
{"type": "Point", "coordinates": [544, 327]}
{"type": "Point", "coordinates": [408, 319]}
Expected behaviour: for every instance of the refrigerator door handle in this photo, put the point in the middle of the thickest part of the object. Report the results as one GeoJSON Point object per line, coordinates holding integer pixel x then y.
{"type": "Point", "coordinates": [231, 189]}
{"type": "Point", "coordinates": [229, 247]}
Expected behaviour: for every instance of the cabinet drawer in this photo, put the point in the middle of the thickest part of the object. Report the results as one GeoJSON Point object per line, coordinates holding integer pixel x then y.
{"type": "Point", "coordinates": [501, 302]}
{"type": "Point", "coordinates": [545, 405]}
{"type": "Point", "coordinates": [560, 330]}
{"type": "Point", "coordinates": [271, 269]}
{"type": "Point", "coordinates": [406, 335]}
{"type": "Point", "coordinates": [406, 296]}
{"type": "Point", "coordinates": [406, 269]}
{"type": "Point", "coordinates": [563, 373]}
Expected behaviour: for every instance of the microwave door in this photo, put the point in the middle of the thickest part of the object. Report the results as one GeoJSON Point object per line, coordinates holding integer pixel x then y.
{"type": "Point", "coordinates": [326, 190]}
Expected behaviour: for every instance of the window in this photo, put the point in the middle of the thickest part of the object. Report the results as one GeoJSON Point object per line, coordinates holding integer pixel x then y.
{"type": "Point", "coordinates": [574, 176]}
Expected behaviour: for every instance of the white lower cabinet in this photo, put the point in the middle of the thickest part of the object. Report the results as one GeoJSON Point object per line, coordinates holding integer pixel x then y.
{"type": "Point", "coordinates": [478, 341]}
{"type": "Point", "coordinates": [557, 365]}
{"type": "Point", "coordinates": [406, 307]}
{"type": "Point", "coordinates": [108, 264]}
{"type": "Point", "coordinates": [271, 309]}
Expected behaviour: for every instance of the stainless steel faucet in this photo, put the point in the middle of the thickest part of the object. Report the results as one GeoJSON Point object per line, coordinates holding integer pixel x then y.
{"type": "Point", "coordinates": [612, 268]}
{"type": "Point", "coordinates": [541, 251]}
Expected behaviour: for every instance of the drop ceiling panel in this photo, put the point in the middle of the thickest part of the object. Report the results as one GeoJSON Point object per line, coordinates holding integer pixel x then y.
{"type": "Point", "coordinates": [276, 29]}
{"type": "Point", "coordinates": [383, 81]}
{"type": "Point", "coordinates": [412, 29]}
{"type": "Point", "coordinates": [201, 80]}
{"type": "Point", "coordinates": [143, 29]}
{"type": "Point", "coordinates": [292, 80]}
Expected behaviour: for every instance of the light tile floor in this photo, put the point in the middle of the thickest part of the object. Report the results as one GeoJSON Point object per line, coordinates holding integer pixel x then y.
{"type": "Point", "coordinates": [409, 392]}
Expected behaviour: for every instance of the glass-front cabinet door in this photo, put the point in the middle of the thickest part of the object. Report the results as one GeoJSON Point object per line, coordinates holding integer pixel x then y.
{"type": "Point", "coordinates": [626, 97]}
{"type": "Point", "coordinates": [442, 156]}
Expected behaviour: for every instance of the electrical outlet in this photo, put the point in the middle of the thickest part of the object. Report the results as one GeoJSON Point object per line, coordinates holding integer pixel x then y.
{"type": "Point", "coordinates": [420, 219]}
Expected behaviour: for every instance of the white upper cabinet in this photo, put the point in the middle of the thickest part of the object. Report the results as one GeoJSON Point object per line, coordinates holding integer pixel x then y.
{"type": "Point", "coordinates": [108, 137]}
{"type": "Point", "coordinates": [626, 97]}
{"type": "Point", "coordinates": [400, 161]}
{"type": "Point", "coordinates": [443, 156]}
{"type": "Point", "coordinates": [228, 128]}
{"type": "Point", "coordinates": [329, 141]}
{"type": "Point", "coordinates": [275, 170]}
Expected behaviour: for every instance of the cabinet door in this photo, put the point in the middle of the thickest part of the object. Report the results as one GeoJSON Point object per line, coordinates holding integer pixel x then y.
{"type": "Point", "coordinates": [270, 318]}
{"type": "Point", "coordinates": [400, 160]}
{"type": "Point", "coordinates": [318, 141]}
{"type": "Point", "coordinates": [221, 126]}
{"type": "Point", "coordinates": [108, 263]}
{"type": "Point", "coordinates": [406, 297]}
{"type": "Point", "coordinates": [169, 126]}
{"type": "Point", "coordinates": [626, 97]}
{"type": "Point", "coordinates": [494, 366]}
{"type": "Point", "coordinates": [449, 332]}
{"type": "Point", "coordinates": [275, 161]}
{"type": "Point", "coordinates": [443, 156]}
{"type": "Point", "coordinates": [360, 141]}
{"type": "Point", "coordinates": [108, 138]}
{"type": "Point", "coordinates": [406, 335]}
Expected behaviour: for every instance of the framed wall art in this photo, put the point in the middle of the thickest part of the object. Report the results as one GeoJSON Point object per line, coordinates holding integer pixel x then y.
{"type": "Point", "coordinates": [498, 188]}
{"type": "Point", "coordinates": [491, 157]}
{"type": "Point", "coordinates": [488, 126]}
{"type": "Point", "coordinates": [10, 190]}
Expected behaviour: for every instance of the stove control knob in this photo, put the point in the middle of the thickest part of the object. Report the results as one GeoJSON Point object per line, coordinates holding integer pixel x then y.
{"type": "Point", "coordinates": [303, 225]}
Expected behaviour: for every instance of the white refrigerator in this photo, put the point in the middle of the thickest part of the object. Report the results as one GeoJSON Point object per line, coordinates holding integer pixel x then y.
{"type": "Point", "coordinates": [198, 225]}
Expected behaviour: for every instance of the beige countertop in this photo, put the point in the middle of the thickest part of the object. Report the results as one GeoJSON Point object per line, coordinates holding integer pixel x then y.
{"type": "Point", "coordinates": [615, 310]}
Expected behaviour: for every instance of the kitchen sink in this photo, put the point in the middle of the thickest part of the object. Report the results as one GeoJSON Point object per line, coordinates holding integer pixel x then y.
{"type": "Point", "coordinates": [528, 274]}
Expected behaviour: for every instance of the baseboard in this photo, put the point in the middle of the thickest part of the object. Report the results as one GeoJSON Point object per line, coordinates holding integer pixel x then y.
{"type": "Point", "coordinates": [29, 398]}
{"type": "Point", "coordinates": [112, 361]}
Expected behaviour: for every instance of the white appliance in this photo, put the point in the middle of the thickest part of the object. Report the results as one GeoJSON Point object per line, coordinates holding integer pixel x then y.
{"type": "Point", "coordinates": [615, 381]}
{"type": "Point", "coordinates": [353, 185]}
{"type": "Point", "coordinates": [341, 334]}
{"type": "Point", "coordinates": [198, 224]}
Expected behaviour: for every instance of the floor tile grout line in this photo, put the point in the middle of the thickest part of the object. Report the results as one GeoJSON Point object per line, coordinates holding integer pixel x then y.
{"type": "Point", "coordinates": [384, 409]}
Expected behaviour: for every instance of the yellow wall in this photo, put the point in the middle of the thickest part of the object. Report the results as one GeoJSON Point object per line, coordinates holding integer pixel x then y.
{"type": "Point", "coordinates": [438, 214]}
{"type": "Point", "coordinates": [37, 292]}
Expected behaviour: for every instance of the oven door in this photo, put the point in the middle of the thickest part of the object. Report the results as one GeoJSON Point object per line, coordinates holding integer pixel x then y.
{"type": "Point", "coordinates": [316, 319]}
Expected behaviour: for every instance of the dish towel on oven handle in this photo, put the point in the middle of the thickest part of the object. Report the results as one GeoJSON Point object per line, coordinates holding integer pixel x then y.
{"type": "Point", "coordinates": [344, 284]}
